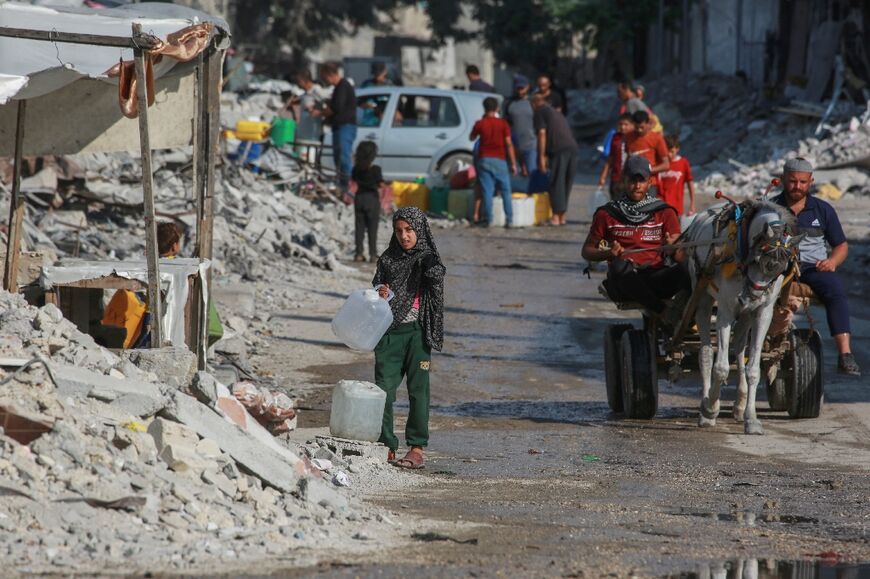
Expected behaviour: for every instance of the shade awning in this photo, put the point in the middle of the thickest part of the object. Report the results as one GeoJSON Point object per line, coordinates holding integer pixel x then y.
{"type": "Point", "coordinates": [33, 68]}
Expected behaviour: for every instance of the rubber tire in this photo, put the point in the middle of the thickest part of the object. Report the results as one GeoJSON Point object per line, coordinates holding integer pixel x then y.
{"type": "Point", "coordinates": [613, 364]}
{"type": "Point", "coordinates": [807, 387]}
{"type": "Point", "coordinates": [640, 391]}
{"type": "Point", "coordinates": [447, 162]}
{"type": "Point", "coordinates": [777, 391]}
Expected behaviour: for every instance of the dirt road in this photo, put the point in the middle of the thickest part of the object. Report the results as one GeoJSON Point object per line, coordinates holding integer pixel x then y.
{"type": "Point", "coordinates": [529, 473]}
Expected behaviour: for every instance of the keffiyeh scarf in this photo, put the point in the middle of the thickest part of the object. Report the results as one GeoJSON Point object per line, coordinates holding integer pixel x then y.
{"type": "Point", "coordinates": [628, 211]}
{"type": "Point", "coordinates": [403, 271]}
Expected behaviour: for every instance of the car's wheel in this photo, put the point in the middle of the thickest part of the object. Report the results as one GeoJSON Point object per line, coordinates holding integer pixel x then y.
{"type": "Point", "coordinates": [451, 163]}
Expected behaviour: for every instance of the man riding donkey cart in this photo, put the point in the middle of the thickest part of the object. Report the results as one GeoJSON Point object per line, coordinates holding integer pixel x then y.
{"type": "Point", "coordinates": [818, 220]}
{"type": "Point", "coordinates": [739, 256]}
{"type": "Point", "coordinates": [639, 224]}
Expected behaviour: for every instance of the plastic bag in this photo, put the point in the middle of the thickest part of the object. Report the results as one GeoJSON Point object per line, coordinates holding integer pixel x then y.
{"type": "Point", "coordinates": [597, 199]}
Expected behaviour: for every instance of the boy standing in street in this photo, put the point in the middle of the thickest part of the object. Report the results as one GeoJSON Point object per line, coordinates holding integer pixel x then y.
{"type": "Point", "coordinates": [672, 183]}
{"type": "Point", "coordinates": [618, 155]}
{"type": "Point", "coordinates": [495, 138]}
{"type": "Point", "coordinates": [648, 144]}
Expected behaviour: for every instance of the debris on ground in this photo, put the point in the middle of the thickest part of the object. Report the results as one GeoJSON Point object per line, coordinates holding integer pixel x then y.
{"type": "Point", "coordinates": [106, 466]}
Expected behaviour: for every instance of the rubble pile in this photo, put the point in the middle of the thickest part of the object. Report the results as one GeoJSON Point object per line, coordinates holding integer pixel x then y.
{"type": "Point", "coordinates": [724, 126]}
{"type": "Point", "coordinates": [840, 158]}
{"type": "Point", "coordinates": [90, 205]}
{"type": "Point", "coordinates": [105, 465]}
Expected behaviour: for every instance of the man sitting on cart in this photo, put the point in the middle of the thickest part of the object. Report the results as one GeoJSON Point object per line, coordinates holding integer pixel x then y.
{"type": "Point", "coordinates": [819, 221]}
{"type": "Point", "coordinates": [629, 233]}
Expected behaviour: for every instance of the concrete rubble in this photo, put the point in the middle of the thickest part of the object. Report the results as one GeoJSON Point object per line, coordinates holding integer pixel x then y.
{"type": "Point", "coordinates": [841, 158]}
{"type": "Point", "coordinates": [734, 137]}
{"type": "Point", "coordinates": [94, 482]}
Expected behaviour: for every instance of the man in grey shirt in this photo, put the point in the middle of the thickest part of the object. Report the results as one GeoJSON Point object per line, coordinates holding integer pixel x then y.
{"type": "Point", "coordinates": [557, 150]}
{"type": "Point", "coordinates": [520, 116]}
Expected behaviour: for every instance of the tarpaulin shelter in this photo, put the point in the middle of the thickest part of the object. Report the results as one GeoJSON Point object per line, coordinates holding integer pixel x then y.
{"type": "Point", "coordinates": [75, 80]}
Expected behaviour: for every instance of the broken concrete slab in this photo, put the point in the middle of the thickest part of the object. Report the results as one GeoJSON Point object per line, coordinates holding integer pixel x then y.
{"type": "Point", "coordinates": [74, 381]}
{"type": "Point", "coordinates": [173, 365]}
{"type": "Point", "coordinates": [274, 464]}
{"type": "Point", "coordinates": [346, 448]}
{"type": "Point", "coordinates": [138, 404]}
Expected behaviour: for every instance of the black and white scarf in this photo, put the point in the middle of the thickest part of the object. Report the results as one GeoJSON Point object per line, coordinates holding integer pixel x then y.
{"type": "Point", "coordinates": [627, 211]}
{"type": "Point", "coordinates": [403, 272]}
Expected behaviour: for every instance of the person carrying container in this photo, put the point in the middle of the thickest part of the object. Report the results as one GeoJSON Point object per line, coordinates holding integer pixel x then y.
{"type": "Point", "coordinates": [412, 269]}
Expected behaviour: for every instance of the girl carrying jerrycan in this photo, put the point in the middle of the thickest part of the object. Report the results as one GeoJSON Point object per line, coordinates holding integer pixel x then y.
{"type": "Point", "coordinates": [412, 269]}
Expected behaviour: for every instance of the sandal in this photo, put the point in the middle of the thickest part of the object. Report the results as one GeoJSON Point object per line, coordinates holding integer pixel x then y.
{"type": "Point", "coordinates": [391, 456]}
{"type": "Point", "coordinates": [412, 460]}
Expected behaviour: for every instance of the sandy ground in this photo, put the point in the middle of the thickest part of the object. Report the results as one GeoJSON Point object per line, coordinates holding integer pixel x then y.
{"type": "Point", "coordinates": [530, 473]}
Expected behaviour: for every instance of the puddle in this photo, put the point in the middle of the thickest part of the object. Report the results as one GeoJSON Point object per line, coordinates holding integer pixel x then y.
{"type": "Point", "coordinates": [750, 519]}
{"type": "Point", "coordinates": [776, 569]}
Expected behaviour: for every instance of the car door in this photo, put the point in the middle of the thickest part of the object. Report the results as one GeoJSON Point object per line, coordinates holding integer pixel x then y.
{"type": "Point", "coordinates": [420, 127]}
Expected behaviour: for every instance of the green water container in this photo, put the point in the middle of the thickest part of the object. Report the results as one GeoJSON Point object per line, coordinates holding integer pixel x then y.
{"type": "Point", "coordinates": [283, 131]}
{"type": "Point", "coordinates": [438, 200]}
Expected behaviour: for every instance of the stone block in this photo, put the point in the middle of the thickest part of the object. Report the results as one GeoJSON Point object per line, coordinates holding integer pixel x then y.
{"type": "Point", "coordinates": [204, 388]}
{"type": "Point", "coordinates": [208, 448]}
{"type": "Point", "coordinates": [175, 366]}
{"type": "Point", "coordinates": [166, 432]}
{"type": "Point", "coordinates": [183, 459]}
{"type": "Point", "coordinates": [317, 492]}
{"type": "Point", "coordinates": [272, 463]}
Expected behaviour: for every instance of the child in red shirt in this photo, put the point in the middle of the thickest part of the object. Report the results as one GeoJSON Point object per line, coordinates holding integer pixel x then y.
{"type": "Point", "coordinates": [617, 157]}
{"type": "Point", "coordinates": [672, 182]}
{"type": "Point", "coordinates": [492, 165]}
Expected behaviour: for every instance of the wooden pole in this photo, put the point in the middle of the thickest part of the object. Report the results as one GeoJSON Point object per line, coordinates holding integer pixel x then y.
{"type": "Point", "coordinates": [155, 306]}
{"type": "Point", "coordinates": [210, 94]}
{"type": "Point", "coordinates": [196, 142]}
{"type": "Point", "coordinates": [16, 208]}
{"type": "Point", "coordinates": [210, 141]}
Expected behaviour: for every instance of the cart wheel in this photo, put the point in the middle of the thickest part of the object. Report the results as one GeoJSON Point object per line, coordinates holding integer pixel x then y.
{"type": "Point", "coordinates": [777, 393]}
{"type": "Point", "coordinates": [613, 364]}
{"type": "Point", "coordinates": [806, 388]}
{"type": "Point", "coordinates": [640, 390]}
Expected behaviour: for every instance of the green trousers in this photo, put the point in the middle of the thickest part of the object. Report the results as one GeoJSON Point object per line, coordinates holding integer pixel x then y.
{"type": "Point", "coordinates": [403, 353]}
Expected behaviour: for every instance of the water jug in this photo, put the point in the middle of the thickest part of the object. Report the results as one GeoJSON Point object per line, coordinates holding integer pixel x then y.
{"type": "Point", "coordinates": [357, 410]}
{"type": "Point", "coordinates": [363, 319]}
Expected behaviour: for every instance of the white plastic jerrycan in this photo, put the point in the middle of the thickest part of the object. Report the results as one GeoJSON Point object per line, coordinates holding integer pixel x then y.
{"type": "Point", "coordinates": [363, 319]}
{"type": "Point", "coordinates": [357, 410]}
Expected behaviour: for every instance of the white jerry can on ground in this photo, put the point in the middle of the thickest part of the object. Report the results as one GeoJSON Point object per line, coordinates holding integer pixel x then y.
{"type": "Point", "coordinates": [363, 319]}
{"type": "Point", "coordinates": [357, 410]}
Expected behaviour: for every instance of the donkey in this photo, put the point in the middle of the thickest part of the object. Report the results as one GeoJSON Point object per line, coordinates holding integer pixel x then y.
{"type": "Point", "coordinates": [741, 254]}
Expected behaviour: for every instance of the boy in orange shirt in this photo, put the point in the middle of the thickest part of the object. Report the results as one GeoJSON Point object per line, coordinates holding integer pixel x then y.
{"type": "Point", "coordinates": [648, 144]}
{"type": "Point", "coordinates": [672, 183]}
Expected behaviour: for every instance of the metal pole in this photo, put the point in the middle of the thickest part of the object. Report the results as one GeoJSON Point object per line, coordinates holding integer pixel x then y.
{"type": "Point", "coordinates": [16, 208]}
{"type": "Point", "coordinates": [154, 304]}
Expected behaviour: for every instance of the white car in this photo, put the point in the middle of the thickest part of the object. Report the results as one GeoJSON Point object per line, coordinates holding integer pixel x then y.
{"type": "Point", "coordinates": [418, 130]}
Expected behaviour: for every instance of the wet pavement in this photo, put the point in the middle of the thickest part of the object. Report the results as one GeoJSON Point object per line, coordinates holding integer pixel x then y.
{"type": "Point", "coordinates": [529, 473]}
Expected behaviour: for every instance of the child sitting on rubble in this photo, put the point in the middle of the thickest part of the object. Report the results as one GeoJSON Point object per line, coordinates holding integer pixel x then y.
{"type": "Point", "coordinates": [412, 269]}
{"type": "Point", "coordinates": [367, 202]}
